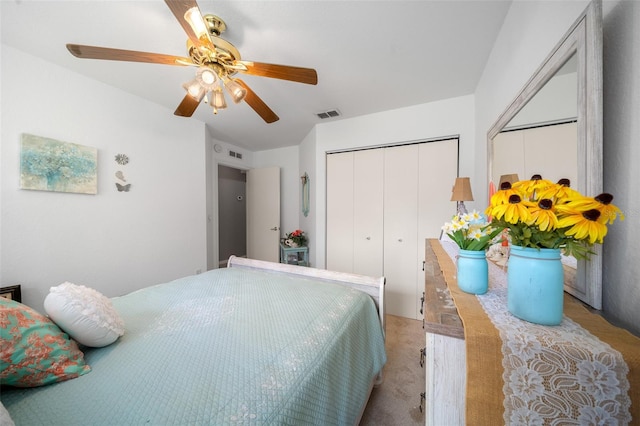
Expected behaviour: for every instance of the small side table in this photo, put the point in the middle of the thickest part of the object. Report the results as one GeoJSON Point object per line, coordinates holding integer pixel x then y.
{"type": "Point", "coordinates": [294, 255]}
{"type": "Point", "coordinates": [12, 292]}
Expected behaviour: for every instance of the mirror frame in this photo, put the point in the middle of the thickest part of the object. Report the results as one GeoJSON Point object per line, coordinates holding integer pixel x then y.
{"type": "Point", "coordinates": [584, 39]}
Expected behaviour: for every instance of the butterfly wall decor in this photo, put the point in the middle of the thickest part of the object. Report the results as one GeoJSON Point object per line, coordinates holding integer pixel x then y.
{"type": "Point", "coordinates": [123, 188]}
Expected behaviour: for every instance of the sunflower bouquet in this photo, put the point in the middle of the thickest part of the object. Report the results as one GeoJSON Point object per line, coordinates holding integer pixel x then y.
{"type": "Point", "coordinates": [541, 214]}
{"type": "Point", "coordinates": [470, 231]}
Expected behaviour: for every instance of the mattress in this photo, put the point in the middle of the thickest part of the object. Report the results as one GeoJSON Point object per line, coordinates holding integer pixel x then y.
{"type": "Point", "coordinates": [225, 347]}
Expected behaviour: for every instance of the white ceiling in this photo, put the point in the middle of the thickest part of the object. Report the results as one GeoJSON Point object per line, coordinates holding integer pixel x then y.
{"type": "Point", "coordinates": [370, 56]}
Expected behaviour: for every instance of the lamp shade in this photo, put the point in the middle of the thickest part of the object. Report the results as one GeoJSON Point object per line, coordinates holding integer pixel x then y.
{"type": "Point", "coordinates": [462, 190]}
{"type": "Point", "coordinates": [194, 18]}
{"type": "Point", "coordinates": [194, 89]}
{"type": "Point", "coordinates": [511, 178]}
{"type": "Point", "coordinates": [207, 78]}
{"type": "Point", "coordinates": [217, 99]}
{"type": "Point", "coordinates": [236, 91]}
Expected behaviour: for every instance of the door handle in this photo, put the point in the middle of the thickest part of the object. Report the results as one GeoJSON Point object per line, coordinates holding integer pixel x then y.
{"type": "Point", "coordinates": [275, 228]}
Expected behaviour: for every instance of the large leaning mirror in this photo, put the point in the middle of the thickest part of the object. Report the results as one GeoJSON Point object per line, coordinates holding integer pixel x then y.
{"type": "Point", "coordinates": [561, 107]}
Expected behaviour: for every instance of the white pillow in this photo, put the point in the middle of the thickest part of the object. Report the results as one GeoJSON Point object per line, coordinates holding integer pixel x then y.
{"type": "Point", "coordinates": [85, 314]}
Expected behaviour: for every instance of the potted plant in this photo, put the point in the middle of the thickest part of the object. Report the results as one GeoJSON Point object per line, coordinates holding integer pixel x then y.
{"type": "Point", "coordinates": [295, 239]}
{"type": "Point", "coordinates": [544, 219]}
{"type": "Point", "coordinates": [473, 234]}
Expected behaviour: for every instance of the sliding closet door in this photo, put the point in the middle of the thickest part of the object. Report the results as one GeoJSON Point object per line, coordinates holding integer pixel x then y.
{"type": "Point", "coordinates": [436, 176]}
{"type": "Point", "coordinates": [340, 212]}
{"type": "Point", "coordinates": [368, 224]}
{"type": "Point", "coordinates": [381, 206]}
{"type": "Point", "coordinates": [400, 226]}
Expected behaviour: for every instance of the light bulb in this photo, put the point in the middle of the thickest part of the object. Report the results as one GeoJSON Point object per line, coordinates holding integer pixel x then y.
{"type": "Point", "coordinates": [217, 100]}
{"type": "Point", "coordinates": [206, 77]}
{"type": "Point", "coordinates": [236, 91]}
{"type": "Point", "coordinates": [194, 18]}
{"type": "Point", "coordinates": [194, 89]}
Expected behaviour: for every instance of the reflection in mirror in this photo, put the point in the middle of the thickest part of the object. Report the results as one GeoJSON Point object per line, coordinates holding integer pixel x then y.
{"type": "Point", "coordinates": [546, 124]}
{"type": "Point", "coordinates": [554, 128]}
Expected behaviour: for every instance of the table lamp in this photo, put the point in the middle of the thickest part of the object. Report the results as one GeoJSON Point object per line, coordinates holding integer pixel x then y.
{"type": "Point", "coordinates": [511, 178]}
{"type": "Point", "coordinates": [461, 192]}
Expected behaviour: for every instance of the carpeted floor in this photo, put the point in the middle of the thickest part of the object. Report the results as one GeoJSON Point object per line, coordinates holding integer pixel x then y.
{"type": "Point", "coordinates": [397, 400]}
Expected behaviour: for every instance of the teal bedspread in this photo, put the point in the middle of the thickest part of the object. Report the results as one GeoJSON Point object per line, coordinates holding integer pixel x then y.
{"type": "Point", "coordinates": [225, 347]}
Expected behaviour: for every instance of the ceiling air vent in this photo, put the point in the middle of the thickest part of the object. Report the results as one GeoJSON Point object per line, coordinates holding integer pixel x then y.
{"type": "Point", "coordinates": [328, 114]}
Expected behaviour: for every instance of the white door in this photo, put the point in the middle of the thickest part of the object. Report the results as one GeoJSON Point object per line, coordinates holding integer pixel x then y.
{"type": "Point", "coordinates": [263, 214]}
{"type": "Point", "coordinates": [400, 229]}
{"type": "Point", "coordinates": [340, 212]}
{"type": "Point", "coordinates": [368, 224]}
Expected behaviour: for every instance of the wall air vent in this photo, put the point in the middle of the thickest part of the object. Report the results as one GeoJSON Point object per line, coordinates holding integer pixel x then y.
{"type": "Point", "coordinates": [328, 114]}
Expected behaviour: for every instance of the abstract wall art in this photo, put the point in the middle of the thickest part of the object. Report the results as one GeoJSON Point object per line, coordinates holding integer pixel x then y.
{"type": "Point", "coordinates": [51, 165]}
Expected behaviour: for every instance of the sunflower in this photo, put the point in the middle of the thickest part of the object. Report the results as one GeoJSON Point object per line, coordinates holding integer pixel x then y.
{"type": "Point", "coordinates": [602, 203]}
{"type": "Point", "coordinates": [532, 186]}
{"type": "Point", "coordinates": [503, 194]}
{"type": "Point", "coordinates": [583, 224]}
{"type": "Point", "coordinates": [560, 191]}
{"type": "Point", "coordinates": [543, 216]}
{"type": "Point", "coordinates": [516, 210]}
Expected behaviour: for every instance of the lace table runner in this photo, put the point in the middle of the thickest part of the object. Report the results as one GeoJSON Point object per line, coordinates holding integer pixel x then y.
{"type": "Point", "coordinates": [558, 375]}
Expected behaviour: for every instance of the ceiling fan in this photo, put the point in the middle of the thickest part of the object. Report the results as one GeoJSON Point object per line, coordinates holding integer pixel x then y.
{"type": "Point", "coordinates": [217, 61]}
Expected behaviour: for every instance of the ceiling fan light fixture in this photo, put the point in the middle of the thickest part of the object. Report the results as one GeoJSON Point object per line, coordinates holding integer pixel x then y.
{"type": "Point", "coordinates": [195, 20]}
{"type": "Point", "coordinates": [195, 90]}
{"type": "Point", "coordinates": [216, 61]}
{"type": "Point", "coordinates": [207, 78]}
{"type": "Point", "coordinates": [217, 100]}
{"type": "Point", "coordinates": [236, 91]}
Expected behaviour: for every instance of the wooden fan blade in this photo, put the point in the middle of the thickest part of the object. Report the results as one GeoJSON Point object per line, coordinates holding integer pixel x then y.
{"type": "Point", "coordinates": [283, 72]}
{"type": "Point", "coordinates": [179, 9]}
{"type": "Point", "coordinates": [187, 107]}
{"type": "Point", "coordinates": [106, 53]}
{"type": "Point", "coordinates": [258, 104]}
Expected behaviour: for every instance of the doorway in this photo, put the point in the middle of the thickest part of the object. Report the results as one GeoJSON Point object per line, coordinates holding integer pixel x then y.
{"type": "Point", "coordinates": [232, 213]}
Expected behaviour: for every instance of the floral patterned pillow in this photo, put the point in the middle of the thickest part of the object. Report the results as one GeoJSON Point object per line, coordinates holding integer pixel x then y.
{"type": "Point", "coordinates": [33, 350]}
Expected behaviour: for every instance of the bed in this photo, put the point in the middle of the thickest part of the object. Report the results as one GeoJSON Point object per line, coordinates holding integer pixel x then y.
{"type": "Point", "coordinates": [257, 342]}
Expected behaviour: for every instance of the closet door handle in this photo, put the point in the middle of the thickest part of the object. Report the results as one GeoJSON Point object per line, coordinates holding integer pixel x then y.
{"type": "Point", "coordinates": [368, 238]}
{"type": "Point", "coordinates": [399, 240]}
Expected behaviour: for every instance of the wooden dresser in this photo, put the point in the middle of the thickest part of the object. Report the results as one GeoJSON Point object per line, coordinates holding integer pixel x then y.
{"type": "Point", "coordinates": [445, 360]}
{"type": "Point", "coordinates": [473, 361]}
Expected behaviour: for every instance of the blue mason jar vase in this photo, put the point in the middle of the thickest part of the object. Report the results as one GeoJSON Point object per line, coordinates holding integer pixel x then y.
{"type": "Point", "coordinates": [473, 271]}
{"type": "Point", "coordinates": [535, 285]}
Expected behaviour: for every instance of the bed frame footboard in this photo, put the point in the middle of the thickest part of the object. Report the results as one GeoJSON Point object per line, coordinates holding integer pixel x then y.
{"type": "Point", "coordinates": [373, 286]}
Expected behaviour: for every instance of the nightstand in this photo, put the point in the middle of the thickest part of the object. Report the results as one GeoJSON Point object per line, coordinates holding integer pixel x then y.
{"type": "Point", "coordinates": [12, 293]}
{"type": "Point", "coordinates": [294, 255]}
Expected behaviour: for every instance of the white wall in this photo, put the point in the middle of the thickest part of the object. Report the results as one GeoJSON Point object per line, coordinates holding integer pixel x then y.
{"type": "Point", "coordinates": [530, 32]}
{"type": "Point", "coordinates": [621, 288]}
{"type": "Point", "coordinates": [308, 165]}
{"type": "Point", "coordinates": [421, 122]}
{"type": "Point", "coordinates": [114, 241]}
